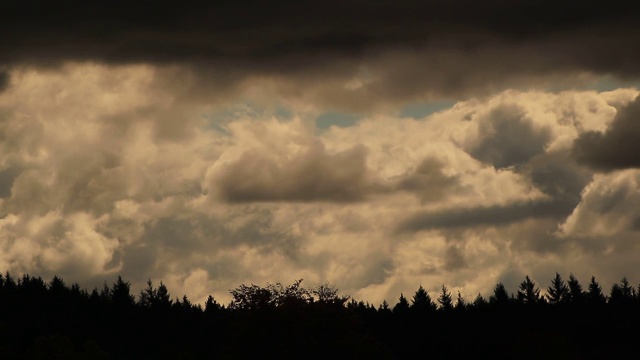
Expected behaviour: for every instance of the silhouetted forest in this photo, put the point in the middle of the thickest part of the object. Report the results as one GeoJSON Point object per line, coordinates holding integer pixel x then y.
{"type": "Point", "coordinates": [53, 320]}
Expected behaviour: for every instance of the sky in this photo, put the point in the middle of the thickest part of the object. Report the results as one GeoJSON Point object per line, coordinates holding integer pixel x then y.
{"type": "Point", "coordinates": [374, 146]}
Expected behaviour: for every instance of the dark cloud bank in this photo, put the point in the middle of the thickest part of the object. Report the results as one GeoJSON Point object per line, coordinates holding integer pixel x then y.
{"type": "Point", "coordinates": [484, 216]}
{"type": "Point", "coordinates": [446, 47]}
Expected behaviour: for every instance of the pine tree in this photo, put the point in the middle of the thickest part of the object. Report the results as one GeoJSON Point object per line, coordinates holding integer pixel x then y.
{"type": "Point", "coordinates": [9, 283]}
{"type": "Point", "coordinates": [148, 296]}
{"type": "Point", "coordinates": [94, 297]}
{"type": "Point", "coordinates": [57, 285]}
{"type": "Point", "coordinates": [105, 294]}
{"type": "Point", "coordinates": [558, 292]}
{"type": "Point", "coordinates": [460, 303]}
{"type": "Point", "coordinates": [445, 299]}
{"type": "Point", "coordinates": [594, 293]}
{"type": "Point", "coordinates": [528, 293]}
{"type": "Point", "coordinates": [627, 290]}
{"type": "Point", "coordinates": [164, 298]}
{"type": "Point", "coordinates": [421, 301]}
{"type": "Point", "coordinates": [384, 307]}
{"type": "Point", "coordinates": [480, 302]}
{"type": "Point", "coordinates": [59, 291]}
{"type": "Point", "coordinates": [121, 293]}
{"type": "Point", "coordinates": [402, 306]}
{"type": "Point", "coordinates": [500, 295]}
{"type": "Point", "coordinates": [622, 294]}
{"type": "Point", "coordinates": [576, 294]}
{"type": "Point", "coordinates": [186, 306]}
{"type": "Point", "coordinates": [211, 305]}
{"type": "Point", "coordinates": [33, 286]}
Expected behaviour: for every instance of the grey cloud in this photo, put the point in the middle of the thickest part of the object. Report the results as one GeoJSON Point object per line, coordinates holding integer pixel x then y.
{"type": "Point", "coordinates": [197, 241]}
{"type": "Point", "coordinates": [259, 231]}
{"type": "Point", "coordinates": [562, 179]}
{"type": "Point", "coordinates": [508, 138]}
{"type": "Point", "coordinates": [454, 258]}
{"type": "Point", "coordinates": [558, 175]}
{"type": "Point", "coordinates": [537, 237]}
{"type": "Point", "coordinates": [198, 233]}
{"type": "Point", "coordinates": [7, 177]}
{"type": "Point", "coordinates": [139, 261]}
{"type": "Point", "coordinates": [79, 183]}
{"type": "Point", "coordinates": [511, 278]}
{"type": "Point", "coordinates": [428, 181]}
{"type": "Point", "coordinates": [29, 194]}
{"type": "Point", "coordinates": [374, 270]}
{"type": "Point", "coordinates": [616, 148]}
{"type": "Point", "coordinates": [311, 176]}
{"type": "Point", "coordinates": [227, 267]}
{"type": "Point", "coordinates": [483, 216]}
{"type": "Point", "coordinates": [176, 235]}
{"type": "Point", "coordinates": [4, 80]}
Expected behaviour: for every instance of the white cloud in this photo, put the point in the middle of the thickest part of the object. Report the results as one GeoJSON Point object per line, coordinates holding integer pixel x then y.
{"type": "Point", "coordinates": [610, 207]}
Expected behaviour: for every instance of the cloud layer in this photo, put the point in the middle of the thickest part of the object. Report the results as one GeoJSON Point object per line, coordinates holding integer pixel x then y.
{"type": "Point", "coordinates": [106, 170]}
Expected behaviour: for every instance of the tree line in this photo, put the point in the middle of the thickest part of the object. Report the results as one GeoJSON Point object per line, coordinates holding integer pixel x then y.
{"type": "Point", "coordinates": [53, 320]}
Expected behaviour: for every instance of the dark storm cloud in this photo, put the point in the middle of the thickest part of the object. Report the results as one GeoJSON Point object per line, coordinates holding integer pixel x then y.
{"type": "Point", "coordinates": [163, 31]}
{"type": "Point", "coordinates": [483, 216]}
{"type": "Point", "coordinates": [508, 138]}
{"type": "Point", "coordinates": [311, 176]}
{"type": "Point", "coordinates": [616, 148]}
{"type": "Point", "coordinates": [458, 43]}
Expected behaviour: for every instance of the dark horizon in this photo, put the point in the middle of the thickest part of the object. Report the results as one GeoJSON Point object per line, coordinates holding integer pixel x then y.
{"type": "Point", "coordinates": [58, 321]}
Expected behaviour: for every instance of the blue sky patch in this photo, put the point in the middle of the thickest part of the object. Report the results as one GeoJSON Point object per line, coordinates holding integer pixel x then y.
{"type": "Point", "coordinates": [335, 118]}
{"type": "Point", "coordinates": [420, 110]}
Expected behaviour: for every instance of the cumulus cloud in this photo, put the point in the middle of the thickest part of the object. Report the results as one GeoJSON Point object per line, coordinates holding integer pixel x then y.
{"type": "Point", "coordinates": [508, 138]}
{"type": "Point", "coordinates": [609, 206]}
{"type": "Point", "coordinates": [616, 147]}
{"type": "Point", "coordinates": [310, 175]}
{"type": "Point", "coordinates": [56, 243]}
